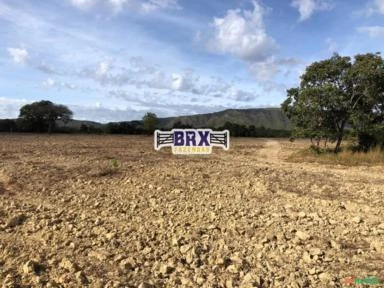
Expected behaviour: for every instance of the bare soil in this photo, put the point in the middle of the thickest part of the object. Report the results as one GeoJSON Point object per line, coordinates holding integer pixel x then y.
{"type": "Point", "coordinates": [72, 216]}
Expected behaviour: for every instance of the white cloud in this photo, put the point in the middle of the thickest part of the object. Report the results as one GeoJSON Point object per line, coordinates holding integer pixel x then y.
{"type": "Point", "coordinates": [264, 70]}
{"type": "Point", "coordinates": [380, 6]}
{"type": "Point", "coordinates": [105, 114]}
{"type": "Point", "coordinates": [166, 105]}
{"type": "Point", "coordinates": [241, 33]}
{"type": "Point", "coordinates": [152, 5]}
{"type": "Point", "coordinates": [372, 31]}
{"type": "Point", "coordinates": [140, 75]}
{"type": "Point", "coordinates": [60, 86]}
{"type": "Point", "coordinates": [9, 107]}
{"type": "Point", "coordinates": [103, 69]}
{"type": "Point", "coordinates": [119, 5]}
{"type": "Point", "coordinates": [185, 82]}
{"type": "Point", "coordinates": [18, 55]}
{"type": "Point", "coordinates": [83, 4]}
{"type": "Point", "coordinates": [306, 8]}
{"type": "Point", "coordinates": [241, 95]}
{"type": "Point", "coordinates": [48, 83]}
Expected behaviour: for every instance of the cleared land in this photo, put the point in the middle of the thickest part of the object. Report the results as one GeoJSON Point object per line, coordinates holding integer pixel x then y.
{"type": "Point", "coordinates": [71, 216]}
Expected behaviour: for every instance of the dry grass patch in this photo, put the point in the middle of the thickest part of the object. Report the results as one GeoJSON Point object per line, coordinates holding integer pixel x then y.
{"type": "Point", "coordinates": [345, 157]}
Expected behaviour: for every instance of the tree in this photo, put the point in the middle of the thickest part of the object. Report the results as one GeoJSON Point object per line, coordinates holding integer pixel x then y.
{"type": "Point", "coordinates": [366, 85]}
{"type": "Point", "coordinates": [149, 122]}
{"type": "Point", "coordinates": [334, 93]}
{"type": "Point", "coordinates": [84, 128]}
{"type": "Point", "coordinates": [42, 116]}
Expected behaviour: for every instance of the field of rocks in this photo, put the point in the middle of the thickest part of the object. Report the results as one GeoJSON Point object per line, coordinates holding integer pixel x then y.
{"type": "Point", "coordinates": [109, 211]}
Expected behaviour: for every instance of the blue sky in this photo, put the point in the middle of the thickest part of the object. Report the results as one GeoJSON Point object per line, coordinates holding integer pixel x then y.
{"type": "Point", "coordinates": [114, 60]}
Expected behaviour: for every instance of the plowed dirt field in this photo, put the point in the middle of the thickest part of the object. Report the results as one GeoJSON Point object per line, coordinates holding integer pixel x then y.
{"type": "Point", "coordinates": [109, 211]}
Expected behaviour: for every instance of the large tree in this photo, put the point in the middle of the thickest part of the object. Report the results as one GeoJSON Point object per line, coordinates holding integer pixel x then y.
{"type": "Point", "coordinates": [334, 93]}
{"type": "Point", "coordinates": [42, 116]}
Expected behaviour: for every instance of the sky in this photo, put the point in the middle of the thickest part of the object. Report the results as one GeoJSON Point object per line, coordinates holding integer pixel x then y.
{"type": "Point", "coordinates": [115, 60]}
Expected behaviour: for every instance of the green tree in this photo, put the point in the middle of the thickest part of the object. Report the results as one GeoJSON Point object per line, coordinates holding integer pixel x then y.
{"type": "Point", "coordinates": [42, 116]}
{"type": "Point", "coordinates": [334, 93]}
{"type": "Point", "coordinates": [149, 122]}
{"type": "Point", "coordinates": [366, 89]}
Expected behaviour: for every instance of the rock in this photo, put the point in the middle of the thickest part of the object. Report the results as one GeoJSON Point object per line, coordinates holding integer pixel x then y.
{"type": "Point", "coordinates": [328, 258]}
{"type": "Point", "coordinates": [177, 241]}
{"type": "Point", "coordinates": [377, 245]}
{"type": "Point", "coordinates": [81, 278]}
{"type": "Point", "coordinates": [229, 283]}
{"type": "Point", "coordinates": [303, 235]}
{"type": "Point", "coordinates": [68, 265]}
{"type": "Point", "coordinates": [127, 265]}
{"type": "Point", "coordinates": [249, 277]}
{"type": "Point", "coordinates": [380, 227]}
{"type": "Point", "coordinates": [265, 240]}
{"type": "Point", "coordinates": [316, 252]}
{"type": "Point", "coordinates": [302, 214]}
{"type": "Point", "coordinates": [325, 277]}
{"type": "Point", "coordinates": [307, 257]}
{"type": "Point", "coordinates": [200, 280]}
{"type": "Point", "coordinates": [101, 254]}
{"type": "Point", "coordinates": [357, 220]}
{"type": "Point", "coordinates": [232, 269]}
{"type": "Point", "coordinates": [16, 221]}
{"type": "Point", "coordinates": [110, 236]}
{"type": "Point", "coordinates": [332, 221]}
{"type": "Point", "coordinates": [31, 267]}
{"type": "Point", "coordinates": [146, 285]}
{"type": "Point", "coordinates": [335, 245]}
{"type": "Point", "coordinates": [147, 250]}
{"type": "Point", "coordinates": [190, 255]}
{"type": "Point", "coordinates": [185, 282]}
{"type": "Point", "coordinates": [185, 248]}
{"type": "Point", "coordinates": [167, 269]}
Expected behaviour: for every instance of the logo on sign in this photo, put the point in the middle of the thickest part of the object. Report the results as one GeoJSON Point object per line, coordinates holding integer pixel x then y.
{"type": "Point", "coordinates": [191, 141]}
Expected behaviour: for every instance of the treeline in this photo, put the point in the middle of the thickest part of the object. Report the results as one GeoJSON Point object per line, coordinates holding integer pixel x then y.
{"type": "Point", "coordinates": [132, 128]}
{"type": "Point", "coordinates": [16, 125]}
{"type": "Point", "coordinates": [45, 116]}
{"type": "Point", "coordinates": [137, 128]}
{"type": "Point", "coordinates": [237, 130]}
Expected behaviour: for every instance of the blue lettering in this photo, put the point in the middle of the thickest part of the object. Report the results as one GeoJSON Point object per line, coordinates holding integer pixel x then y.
{"type": "Point", "coordinates": [203, 138]}
{"type": "Point", "coordinates": [190, 138]}
{"type": "Point", "coordinates": [178, 138]}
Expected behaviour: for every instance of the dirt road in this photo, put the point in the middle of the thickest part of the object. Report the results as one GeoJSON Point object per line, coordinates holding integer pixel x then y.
{"type": "Point", "coordinates": [72, 216]}
{"type": "Point", "coordinates": [270, 152]}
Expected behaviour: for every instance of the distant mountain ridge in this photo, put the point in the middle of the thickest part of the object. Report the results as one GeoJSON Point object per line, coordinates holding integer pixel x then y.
{"type": "Point", "coordinates": [271, 118]}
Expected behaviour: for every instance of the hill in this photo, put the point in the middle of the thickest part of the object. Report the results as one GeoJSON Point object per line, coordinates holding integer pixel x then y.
{"type": "Point", "coordinates": [271, 118]}
{"type": "Point", "coordinates": [76, 124]}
